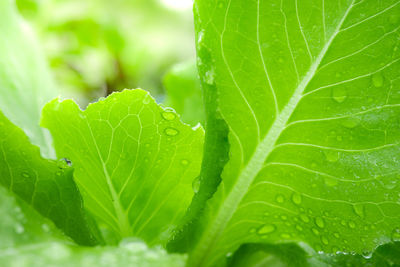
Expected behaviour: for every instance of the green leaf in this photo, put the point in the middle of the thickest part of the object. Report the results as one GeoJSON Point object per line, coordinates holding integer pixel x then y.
{"type": "Point", "coordinates": [45, 184]}
{"type": "Point", "coordinates": [50, 254]}
{"type": "Point", "coordinates": [182, 84]}
{"type": "Point", "coordinates": [25, 82]}
{"type": "Point", "coordinates": [20, 224]}
{"type": "Point", "coordinates": [301, 255]}
{"type": "Point", "coordinates": [134, 160]}
{"type": "Point", "coordinates": [309, 91]}
{"type": "Point", "coordinates": [28, 239]}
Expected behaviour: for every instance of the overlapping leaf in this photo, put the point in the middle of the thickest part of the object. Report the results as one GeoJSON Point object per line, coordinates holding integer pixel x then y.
{"type": "Point", "coordinates": [134, 161]}
{"type": "Point", "coordinates": [310, 92]}
{"type": "Point", "coordinates": [25, 82]}
{"type": "Point", "coordinates": [44, 184]}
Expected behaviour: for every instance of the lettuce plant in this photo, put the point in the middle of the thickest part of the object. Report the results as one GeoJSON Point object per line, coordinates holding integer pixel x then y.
{"type": "Point", "coordinates": [298, 164]}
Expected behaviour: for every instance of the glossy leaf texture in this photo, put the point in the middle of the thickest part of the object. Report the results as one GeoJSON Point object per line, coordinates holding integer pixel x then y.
{"type": "Point", "coordinates": [25, 81]}
{"type": "Point", "coordinates": [45, 185]}
{"type": "Point", "coordinates": [182, 84]}
{"type": "Point", "coordinates": [301, 255]}
{"type": "Point", "coordinates": [134, 161]}
{"type": "Point", "coordinates": [310, 93]}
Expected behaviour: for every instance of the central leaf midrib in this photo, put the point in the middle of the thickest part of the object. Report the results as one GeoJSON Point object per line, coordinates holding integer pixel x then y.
{"type": "Point", "coordinates": [264, 148]}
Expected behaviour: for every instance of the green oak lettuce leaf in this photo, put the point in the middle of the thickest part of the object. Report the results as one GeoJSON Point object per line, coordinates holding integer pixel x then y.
{"type": "Point", "coordinates": [310, 93]}
{"type": "Point", "coordinates": [46, 185]}
{"type": "Point", "coordinates": [25, 82]}
{"type": "Point", "coordinates": [134, 161]}
{"type": "Point", "coordinates": [182, 85]}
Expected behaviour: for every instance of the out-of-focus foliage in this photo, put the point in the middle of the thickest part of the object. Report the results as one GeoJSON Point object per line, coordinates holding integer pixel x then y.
{"type": "Point", "coordinates": [99, 46]}
{"type": "Point", "coordinates": [182, 85]}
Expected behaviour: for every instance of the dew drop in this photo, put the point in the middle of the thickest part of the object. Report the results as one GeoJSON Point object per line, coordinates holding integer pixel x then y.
{"type": "Point", "coordinates": [284, 217]}
{"type": "Point", "coordinates": [285, 235]}
{"type": "Point", "coordinates": [59, 173]}
{"type": "Point", "coordinates": [25, 174]}
{"type": "Point", "coordinates": [184, 162]}
{"type": "Point", "coordinates": [339, 94]}
{"type": "Point", "coordinates": [171, 131]}
{"type": "Point", "coordinates": [331, 156]}
{"type": "Point", "coordinates": [351, 122]}
{"type": "Point", "coordinates": [339, 138]}
{"type": "Point", "coordinates": [209, 77]}
{"type": "Point", "coordinates": [315, 231]}
{"type": "Point", "coordinates": [196, 184]}
{"type": "Point", "coordinates": [266, 229]}
{"type": "Point", "coordinates": [359, 210]}
{"type": "Point", "coordinates": [330, 181]}
{"type": "Point", "coordinates": [336, 235]}
{"type": "Point", "coordinates": [280, 198]}
{"type": "Point", "coordinates": [396, 234]}
{"type": "Point", "coordinates": [304, 218]}
{"type": "Point", "coordinates": [324, 240]}
{"type": "Point", "coordinates": [146, 100]}
{"type": "Point", "coordinates": [377, 79]}
{"type": "Point", "coordinates": [299, 228]}
{"type": "Point", "coordinates": [296, 198]}
{"type": "Point", "coordinates": [168, 115]}
{"type": "Point", "coordinates": [319, 222]}
{"type": "Point", "coordinates": [352, 225]}
{"type": "Point", "coordinates": [367, 254]}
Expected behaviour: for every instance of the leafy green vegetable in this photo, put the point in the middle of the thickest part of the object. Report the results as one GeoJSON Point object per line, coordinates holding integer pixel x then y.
{"type": "Point", "coordinates": [45, 184]}
{"type": "Point", "coordinates": [134, 161]}
{"type": "Point", "coordinates": [309, 92]}
{"type": "Point", "coordinates": [20, 224]}
{"type": "Point", "coordinates": [184, 94]}
{"type": "Point", "coordinates": [28, 239]}
{"type": "Point", "coordinates": [25, 83]}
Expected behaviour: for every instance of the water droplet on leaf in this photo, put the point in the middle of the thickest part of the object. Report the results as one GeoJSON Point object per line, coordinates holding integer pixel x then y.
{"type": "Point", "coordinates": [359, 210]}
{"type": "Point", "coordinates": [339, 94]}
{"type": "Point", "coordinates": [196, 184]}
{"type": "Point", "coordinates": [331, 156]}
{"type": "Point", "coordinates": [266, 229]}
{"type": "Point", "coordinates": [168, 115]}
{"type": "Point", "coordinates": [296, 198]}
{"type": "Point", "coordinates": [396, 234]}
{"type": "Point", "coordinates": [304, 218]}
{"type": "Point", "coordinates": [319, 222]}
{"type": "Point", "coordinates": [377, 79]}
{"type": "Point", "coordinates": [280, 198]}
{"type": "Point", "coordinates": [171, 131]}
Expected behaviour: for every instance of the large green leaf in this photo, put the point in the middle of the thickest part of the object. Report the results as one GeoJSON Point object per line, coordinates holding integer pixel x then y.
{"type": "Point", "coordinates": [310, 92]}
{"type": "Point", "coordinates": [45, 184]}
{"type": "Point", "coordinates": [134, 160]}
{"type": "Point", "coordinates": [25, 83]}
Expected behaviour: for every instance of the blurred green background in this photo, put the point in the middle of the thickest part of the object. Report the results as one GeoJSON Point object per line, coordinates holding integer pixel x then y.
{"type": "Point", "coordinates": [95, 47]}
